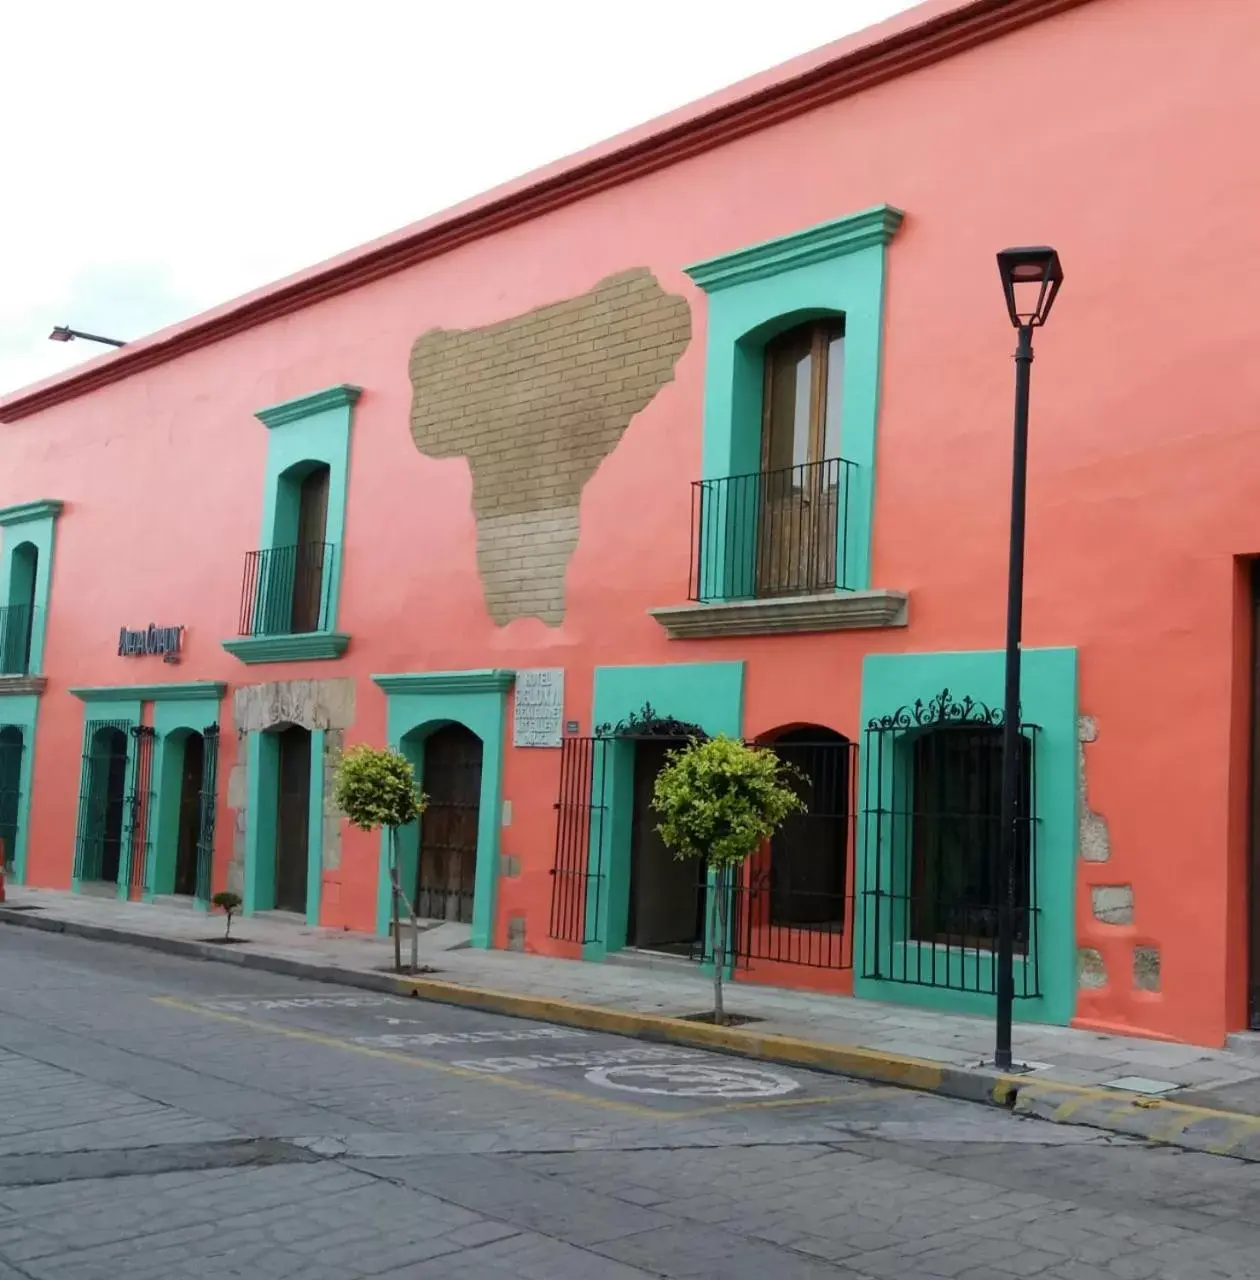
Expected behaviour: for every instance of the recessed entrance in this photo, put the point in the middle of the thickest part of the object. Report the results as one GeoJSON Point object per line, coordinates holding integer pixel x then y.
{"type": "Point", "coordinates": [10, 789]}
{"type": "Point", "coordinates": [447, 866]}
{"type": "Point", "coordinates": [293, 815]}
{"type": "Point", "coordinates": [667, 896]}
{"type": "Point", "coordinates": [189, 829]}
{"type": "Point", "coordinates": [102, 824]}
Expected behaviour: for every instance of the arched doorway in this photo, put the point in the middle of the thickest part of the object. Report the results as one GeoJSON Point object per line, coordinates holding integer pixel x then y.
{"type": "Point", "coordinates": [10, 789]}
{"type": "Point", "coordinates": [101, 825]}
{"type": "Point", "coordinates": [447, 866]}
{"type": "Point", "coordinates": [293, 810]}
{"type": "Point", "coordinates": [188, 830]}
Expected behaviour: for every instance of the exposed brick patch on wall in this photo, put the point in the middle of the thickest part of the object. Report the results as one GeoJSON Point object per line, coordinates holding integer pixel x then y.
{"type": "Point", "coordinates": [535, 404]}
{"type": "Point", "coordinates": [1094, 837]}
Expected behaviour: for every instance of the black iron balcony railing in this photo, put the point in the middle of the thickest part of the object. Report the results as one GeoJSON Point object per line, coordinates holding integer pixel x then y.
{"type": "Point", "coordinates": [771, 533]}
{"type": "Point", "coordinates": [286, 590]}
{"type": "Point", "coordinates": [17, 622]}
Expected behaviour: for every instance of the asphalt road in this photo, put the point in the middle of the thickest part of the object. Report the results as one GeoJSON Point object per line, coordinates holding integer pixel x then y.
{"type": "Point", "coordinates": [168, 1118]}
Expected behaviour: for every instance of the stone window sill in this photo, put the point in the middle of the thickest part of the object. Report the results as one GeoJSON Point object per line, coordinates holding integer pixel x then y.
{"type": "Point", "coordinates": [310, 646]}
{"type": "Point", "coordinates": [833, 611]}
{"type": "Point", "coordinates": [23, 684]}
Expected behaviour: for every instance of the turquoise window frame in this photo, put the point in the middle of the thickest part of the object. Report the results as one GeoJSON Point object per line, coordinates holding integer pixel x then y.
{"type": "Point", "coordinates": [416, 704]}
{"type": "Point", "coordinates": [756, 293]}
{"type": "Point", "coordinates": [34, 523]}
{"type": "Point", "coordinates": [708, 694]}
{"type": "Point", "coordinates": [311, 430]}
{"type": "Point", "coordinates": [1049, 701]}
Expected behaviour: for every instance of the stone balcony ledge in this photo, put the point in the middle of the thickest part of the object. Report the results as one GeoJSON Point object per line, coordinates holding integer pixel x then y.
{"type": "Point", "coordinates": [830, 611]}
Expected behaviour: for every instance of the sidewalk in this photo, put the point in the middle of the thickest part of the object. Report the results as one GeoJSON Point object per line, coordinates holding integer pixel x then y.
{"type": "Point", "coordinates": [1198, 1098]}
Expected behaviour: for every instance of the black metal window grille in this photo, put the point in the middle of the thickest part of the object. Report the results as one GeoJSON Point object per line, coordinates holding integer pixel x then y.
{"type": "Point", "coordinates": [285, 590]}
{"type": "Point", "coordinates": [102, 785]}
{"type": "Point", "coordinates": [932, 815]}
{"type": "Point", "coordinates": [11, 746]}
{"type": "Point", "coordinates": [771, 533]}
{"type": "Point", "coordinates": [207, 807]}
{"type": "Point", "coordinates": [16, 628]}
{"type": "Point", "coordinates": [140, 805]}
{"type": "Point", "coordinates": [577, 879]}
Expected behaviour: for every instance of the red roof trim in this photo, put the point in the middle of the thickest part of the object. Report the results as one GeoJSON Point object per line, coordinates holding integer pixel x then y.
{"type": "Point", "coordinates": [926, 34]}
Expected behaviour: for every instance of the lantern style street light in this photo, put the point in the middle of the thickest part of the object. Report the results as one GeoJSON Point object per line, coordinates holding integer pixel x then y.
{"type": "Point", "coordinates": [63, 333]}
{"type": "Point", "coordinates": [1030, 280]}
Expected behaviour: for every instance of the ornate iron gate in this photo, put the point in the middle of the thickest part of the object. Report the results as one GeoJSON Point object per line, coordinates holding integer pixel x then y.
{"type": "Point", "coordinates": [101, 811]}
{"type": "Point", "coordinates": [140, 805]}
{"type": "Point", "coordinates": [207, 801]}
{"type": "Point", "coordinates": [932, 818]}
{"type": "Point", "coordinates": [576, 886]}
{"type": "Point", "coordinates": [11, 744]}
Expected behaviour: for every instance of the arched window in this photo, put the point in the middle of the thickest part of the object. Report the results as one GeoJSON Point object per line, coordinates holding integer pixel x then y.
{"type": "Point", "coordinates": [956, 836]}
{"type": "Point", "coordinates": [17, 619]}
{"type": "Point", "coordinates": [803, 476]}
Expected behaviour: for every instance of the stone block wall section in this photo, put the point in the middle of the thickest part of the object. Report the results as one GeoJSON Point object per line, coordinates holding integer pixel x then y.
{"type": "Point", "coordinates": [535, 404]}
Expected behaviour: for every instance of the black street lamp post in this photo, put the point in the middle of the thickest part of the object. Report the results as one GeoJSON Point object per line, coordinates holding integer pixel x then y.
{"type": "Point", "coordinates": [63, 333]}
{"type": "Point", "coordinates": [1030, 279]}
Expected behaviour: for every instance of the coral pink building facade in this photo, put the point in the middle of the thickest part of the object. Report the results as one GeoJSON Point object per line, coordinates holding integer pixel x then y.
{"type": "Point", "coordinates": [454, 472]}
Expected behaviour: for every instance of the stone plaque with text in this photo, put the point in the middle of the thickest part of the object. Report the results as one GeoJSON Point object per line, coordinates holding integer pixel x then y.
{"type": "Point", "coordinates": [539, 719]}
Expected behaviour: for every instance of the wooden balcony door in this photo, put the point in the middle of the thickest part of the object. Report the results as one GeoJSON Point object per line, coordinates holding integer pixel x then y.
{"type": "Point", "coordinates": [308, 568]}
{"type": "Point", "coordinates": [800, 461]}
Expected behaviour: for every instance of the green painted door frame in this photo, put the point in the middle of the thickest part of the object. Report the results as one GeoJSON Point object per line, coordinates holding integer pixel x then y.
{"type": "Point", "coordinates": [416, 704]}
{"type": "Point", "coordinates": [22, 712]}
{"type": "Point", "coordinates": [708, 694]}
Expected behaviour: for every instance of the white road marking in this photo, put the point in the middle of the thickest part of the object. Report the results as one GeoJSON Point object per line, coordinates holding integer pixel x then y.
{"type": "Point", "coordinates": [593, 1058]}
{"type": "Point", "coordinates": [303, 1002]}
{"type": "Point", "coordinates": [694, 1080]}
{"type": "Point", "coordinates": [427, 1039]}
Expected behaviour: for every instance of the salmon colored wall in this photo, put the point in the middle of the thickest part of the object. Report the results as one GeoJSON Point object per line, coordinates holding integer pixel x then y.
{"type": "Point", "coordinates": [1132, 153]}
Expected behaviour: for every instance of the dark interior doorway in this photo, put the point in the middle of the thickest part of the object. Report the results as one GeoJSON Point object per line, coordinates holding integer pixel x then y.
{"type": "Point", "coordinates": [10, 789]}
{"type": "Point", "coordinates": [109, 783]}
{"type": "Point", "coordinates": [809, 853]}
{"type": "Point", "coordinates": [667, 896]}
{"type": "Point", "coordinates": [446, 873]}
{"type": "Point", "coordinates": [189, 815]}
{"type": "Point", "coordinates": [293, 810]}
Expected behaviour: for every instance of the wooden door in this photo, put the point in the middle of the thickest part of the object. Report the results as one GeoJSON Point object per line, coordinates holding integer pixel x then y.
{"type": "Point", "coordinates": [1254, 868]}
{"type": "Point", "coordinates": [447, 871]}
{"type": "Point", "coordinates": [312, 552]}
{"type": "Point", "coordinates": [802, 474]}
{"type": "Point", "coordinates": [293, 810]}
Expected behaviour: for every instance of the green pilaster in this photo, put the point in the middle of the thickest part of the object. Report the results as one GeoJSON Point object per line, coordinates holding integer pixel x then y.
{"type": "Point", "coordinates": [29, 534]}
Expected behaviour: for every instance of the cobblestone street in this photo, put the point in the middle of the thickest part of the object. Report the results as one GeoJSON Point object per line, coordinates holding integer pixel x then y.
{"type": "Point", "coordinates": [163, 1117]}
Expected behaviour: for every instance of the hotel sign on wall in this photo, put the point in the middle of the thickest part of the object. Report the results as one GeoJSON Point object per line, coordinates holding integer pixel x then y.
{"type": "Point", "coordinates": [164, 642]}
{"type": "Point", "coordinates": [539, 718]}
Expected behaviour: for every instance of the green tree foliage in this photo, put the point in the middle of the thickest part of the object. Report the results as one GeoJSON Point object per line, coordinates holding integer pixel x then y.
{"type": "Point", "coordinates": [376, 787]}
{"type": "Point", "coordinates": [229, 903]}
{"type": "Point", "coordinates": [719, 801]}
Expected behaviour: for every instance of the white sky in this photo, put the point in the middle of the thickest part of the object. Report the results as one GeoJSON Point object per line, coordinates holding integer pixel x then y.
{"type": "Point", "coordinates": [161, 157]}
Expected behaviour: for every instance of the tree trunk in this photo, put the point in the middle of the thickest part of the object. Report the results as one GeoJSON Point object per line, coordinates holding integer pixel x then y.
{"type": "Point", "coordinates": [393, 893]}
{"type": "Point", "coordinates": [719, 945]}
{"type": "Point", "coordinates": [228, 932]}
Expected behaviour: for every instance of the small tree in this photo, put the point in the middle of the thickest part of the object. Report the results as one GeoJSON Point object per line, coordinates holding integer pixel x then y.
{"type": "Point", "coordinates": [720, 801]}
{"type": "Point", "coordinates": [229, 903]}
{"type": "Point", "coordinates": [376, 788]}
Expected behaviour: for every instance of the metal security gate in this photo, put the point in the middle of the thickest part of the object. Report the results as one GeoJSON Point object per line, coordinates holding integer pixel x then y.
{"type": "Point", "coordinates": [576, 885]}
{"type": "Point", "coordinates": [102, 784]}
{"type": "Point", "coordinates": [932, 817]}
{"type": "Point", "coordinates": [207, 800]}
{"type": "Point", "coordinates": [11, 745]}
{"type": "Point", "coordinates": [140, 805]}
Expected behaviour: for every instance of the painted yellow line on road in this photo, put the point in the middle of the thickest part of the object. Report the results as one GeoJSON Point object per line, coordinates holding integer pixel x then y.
{"type": "Point", "coordinates": [510, 1082]}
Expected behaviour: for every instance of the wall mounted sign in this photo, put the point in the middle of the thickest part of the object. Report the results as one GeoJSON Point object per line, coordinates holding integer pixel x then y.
{"type": "Point", "coordinates": [539, 707]}
{"type": "Point", "coordinates": [572, 728]}
{"type": "Point", "coordinates": [168, 642]}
